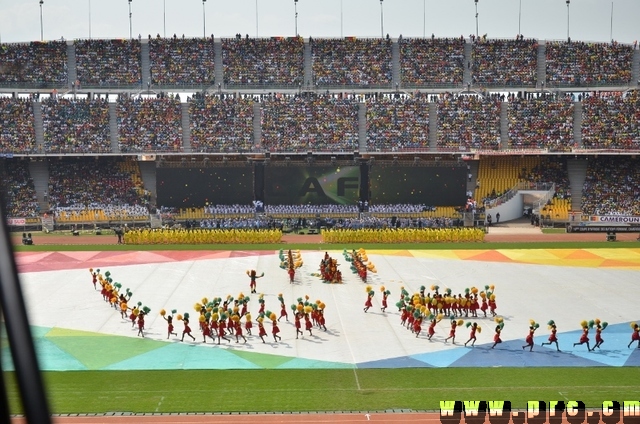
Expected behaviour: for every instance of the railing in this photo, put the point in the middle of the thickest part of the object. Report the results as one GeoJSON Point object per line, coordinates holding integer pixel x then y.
{"type": "Point", "coordinates": [514, 191]}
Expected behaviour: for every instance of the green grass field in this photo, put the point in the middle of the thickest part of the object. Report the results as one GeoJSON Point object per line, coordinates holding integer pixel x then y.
{"type": "Point", "coordinates": [325, 390]}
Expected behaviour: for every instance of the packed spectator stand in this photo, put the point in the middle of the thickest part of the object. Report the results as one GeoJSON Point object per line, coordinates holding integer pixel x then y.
{"type": "Point", "coordinates": [17, 126]}
{"type": "Point", "coordinates": [35, 64]}
{"type": "Point", "coordinates": [397, 122]}
{"type": "Point", "coordinates": [352, 62]}
{"type": "Point", "coordinates": [76, 125]}
{"type": "Point", "coordinates": [612, 187]}
{"type": "Point", "coordinates": [182, 62]}
{"type": "Point", "coordinates": [504, 63]}
{"type": "Point", "coordinates": [434, 62]}
{"type": "Point", "coordinates": [257, 62]}
{"type": "Point", "coordinates": [21, 200]}
{"type": "Point", "coordinates": [104, 63]}
{"type": "Point", "coordinates": [221, 123]}
{"type": "Point", "coordinates": [468, 122]}
{"type": "Point", "coordinates": [611, 120]}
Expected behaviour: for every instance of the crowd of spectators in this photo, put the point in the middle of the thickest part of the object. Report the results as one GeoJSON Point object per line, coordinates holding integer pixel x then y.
{"type": "Point", "coordinates": [221, 123]}
{"type": "Point", "coordinates": [17, 130]}
{"type": "Point", "coordinates": [352, 61]}
{"type": "Point", "coordinates": [611, 120]}
{"type": "Point", "coordinates": [468, 122]}
{"type": "Point", "coordinates": [396, 122]}
{"type": "Point", "coordinates": [178, 61]}
{"type": "Point", "coordinates": [612, 186]}
{"type": "Point", "coordinates": [295, 210]}
{"type": "Point", "coordinates": [76, 185]}
{"type": "Point", "coordinates": [229, 209]}
{"type": "Point", "coordinates": [401, 208]}
{"type": "Point", "coordinates": [380, 223]}
{"type": "Point", "coordinates": [432, 62]}
{"type": "Point", "coordinates": [588, 64]}
{"type": "Point", "coordinates": [237, 223]}
{"type": "Point", "coordinates": [34, 63]}
{"type": "Point", "coordinates": [263, 61]}
{"type": "Point", "coordinates": [21, 199]}
{"type": "Point", "coordinates": [108, 62]}
{"type": "Point", "coordinates": [552, 169]}
{"type": "Point", "coordinates": [149, 124]}
{"type": "Point", "coordinates": [504, 62]}
{"type": "Point", "coordinates": [325, 122]}
{"type": "Point", "coordinates": [541, 122]}
{"type": "Point", "coordinates": [76, 125]}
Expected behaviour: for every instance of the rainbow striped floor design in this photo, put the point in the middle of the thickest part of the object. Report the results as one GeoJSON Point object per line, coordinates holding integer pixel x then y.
{"type": "Point", "coordinates": [74, 329]}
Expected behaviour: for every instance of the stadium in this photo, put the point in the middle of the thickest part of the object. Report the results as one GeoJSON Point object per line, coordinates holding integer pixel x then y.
{"type": "Point", "coordinates": [190, 161]}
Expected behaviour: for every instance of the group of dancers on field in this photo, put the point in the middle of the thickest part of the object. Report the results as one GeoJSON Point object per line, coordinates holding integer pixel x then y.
{"type": "Point", "coordinates": [111, 293]}
{"type": "Point", "coordinates": [290, 261]}
{"type": "Point", "coordinates": [218, 319]}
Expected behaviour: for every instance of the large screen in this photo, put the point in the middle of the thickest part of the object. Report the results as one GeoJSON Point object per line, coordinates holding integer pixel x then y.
{"type": "Point", "coordinates": [431, 186]}
{"type": "Point", "coordinates": [195, 187]}
{"type": "Point", "coordinates": [316, 185]}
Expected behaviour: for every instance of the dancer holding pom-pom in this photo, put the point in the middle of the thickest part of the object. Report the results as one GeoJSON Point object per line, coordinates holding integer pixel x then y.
{"type": "Point", "coordinates": [472, 335]}
{"type": "Point", "coordinates": [261, 331]}
{"type": "Point", "coordinates": [499, 327]}
{"type": "Point", "coordinates": [297, 322]}
{"type": "Point", "coordinates": [187, 329]}
{"type": "Point", "coordinates": [529, 340]}
{"type": "Point", "coordinates": [283, 308]}
{"type": "Point", "coordinates": [385, 295]}
{"type": "Point", "coordinates": [600, 326]}
{"type": "Point", "coordinates": [585, 334]}
{"type": "Point", "coordinates": [552, 337]}
{"type": "Point", "coordinates": [432, 325]}
{"type": "Point", "coordinates": [452, 332]}
{"type": "Point", "coordinates": [253, 275]}
{"type": "Point", "coordinates": [169, 319]}
{"type": "Point", "coordinates": [275, 330]}
{"type": "Point", "coordinates": [222, 325]}
{"type": "Point", "coordinates": [94, 278]}
{"type": "Point", "coordinates": [635, 336]}
{"type": "Point", "coordinates": [248, 325]}
{"type": "Point", "coordinates": [368, 304]}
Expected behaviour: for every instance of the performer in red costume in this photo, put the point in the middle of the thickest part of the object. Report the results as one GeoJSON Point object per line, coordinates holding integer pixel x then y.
{"type": "Point", "coordinates": [584, 338]}
{"type": "Point", "coordinates": [552, 337]}
{"type": "Point", "coordinates": [187, 329]}
{"type": "Point", "coordinates": [368, 304]}
{"type": "Point", "coordinates": [452, 332]}
{"type": "Point", "coordinates": [472, 335]}
{"type": "Point", "coordinates": [253, 275]}
{"type": "Point", "coordinates": [529, 340]}
{"type": "Point", "coordinates": [600, 326]}
{"type": "Point", "coordinates": [635, 336]}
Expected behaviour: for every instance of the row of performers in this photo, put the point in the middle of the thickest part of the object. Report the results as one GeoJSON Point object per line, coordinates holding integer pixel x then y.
{"type": "Point", "coordinates": [290, 261]}
{"type": "Point", "coordinates": [112, 293]}
{"type": "Point", "coordinates": [441, 303]}
{"type": "Point", "coordinates": [216, 322]}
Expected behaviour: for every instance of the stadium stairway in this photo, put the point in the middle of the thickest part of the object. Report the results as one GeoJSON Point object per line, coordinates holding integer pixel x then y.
{"type": "Point", "coordinates": [468, 57]}
{"type": "Point", "coordinates": [635, 69]}
{"type": "Point", "coordinates": [504, 125]}
{"type": "Point", "coordinates": [541, 71]}
{"type": "Point", "coordinates": [433, 126]}
{"type": "Point", "coordinates": [395, 63]}
{"type": "Point", "coordinates": [577, 124]}
{"type": "Point", "coordinates": [38, 126]}
{"type": "Point", "coordinates": [113, 127]}
{"type": "Point", "coordinates": [145, 62]}
{"type": "Point", "coordinates": [186, 128]}
{"type": "Point", "coordinates": [362, 127]}
{"type": "Point", "coordinates": [72, 74]}
{"type": "Point", "coordinates": [219, 70]}
{"type": "Point", "coordinates": [39, 171]}
{"type": "Point", "coordinates": [308, 68]}
{"type": "Point", "coordinates": [148, 175]}
{"type": "Point", "coordinates": [577, 170]}
{"type": "Point", "coordinates": [257, 124]}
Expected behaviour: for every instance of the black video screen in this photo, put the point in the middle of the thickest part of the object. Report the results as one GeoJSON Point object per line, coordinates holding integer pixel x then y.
{"type": "Point", "coordinates": [315, 185]}
{"type": "Point", "coordinates": [431, 186]}
{"type": "Point", "coordinates": [196, 187]}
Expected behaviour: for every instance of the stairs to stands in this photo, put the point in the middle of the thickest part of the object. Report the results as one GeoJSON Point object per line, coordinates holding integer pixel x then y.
{"type": "Point", "coordinates": [635, 69]}
{"type": "Point", "coordinates": [308, 68]}
{"type": "Point", "coordinates": [38, 126]}
{"type": "Point", "coordinates": [577, 170]}
{"type": "Point", "coordinates": [395, 64]}
{"type": "Point", "coordinates": [39, 171]}
{"type": "Point", "coordinates": [217, 48]}
{"type": "Point", "coordinates": [113, 127]}
{"type": "Point", "coordinates": [504, 125]}
{"type": "Point", "coordinates": [72, 74]}
{"type": "Point", "coordinates": [468, 58]}
{"type": "Point", "coordinates": [577, 124]}
{"type": "Point", "coordinates": [186, 128]}
{"type": "Point", "coordinates": [145, 62]}
{"type": "Point", "coordinates": [148, 175]}
{"type": "Point", "coordinates": [541, 68]}
{"type": "Point", "coordinates": [433, 126]}
{"type": "Point", "coordinates": [362, 127]}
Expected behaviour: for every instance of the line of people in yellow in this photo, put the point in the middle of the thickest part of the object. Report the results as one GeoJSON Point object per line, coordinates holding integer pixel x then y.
{"type": "Point", "coordinates": [403, 235]}
{"type": "Point", "coordinates": [202, 236]}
